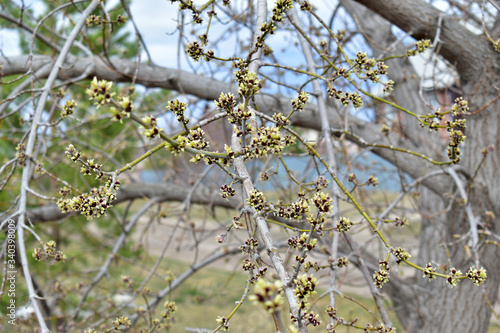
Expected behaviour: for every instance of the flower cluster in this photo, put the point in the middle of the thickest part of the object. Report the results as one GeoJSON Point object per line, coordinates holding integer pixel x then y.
{"type": "Point", "coordinates": [257, 200]}
{"type": "Point", "coordinates": [420, 46]}
{"type": "Point", "coordinates": [460, 106]}
{"type": "Point", "coordinates": [453, 151]}
{"type": "Point", "coordinates": [429, 272]}
{"type": "Point", "coordinates": [196, 139]}
{"type": "Point", "coordinates": [382, 275]}
{"type": "Point", "coordinates": [178, 147]}
{"type": "Point", "coordinates": [453, 276]}
{"type": "Point", "coordinates": [94, 20]}
{"type": "Point", "coordinates": [223, 323]}
{"type": "Point", "coordinates": [90, 167]}
{"type": "Point", "coordinates": [151, 131]}
{"type": "Point", "coordinates": [372, 180]}
{"type": "Point", "coordinates": [299, 103]}
{"type": "Point", "coordinates": [346, 98]}
{"type": "Point", "coordinates": [322, 201]}
{"type": "Point", "coordinates": [126, 109]}
{"type": "Point", "coordinates": [295, 210]}
{"type": "Point", "coordinates": [301, 242]}
{"type": "Point", "coordinates": [344, 224]}
{"type": "Point", "coordinates": [250, 245]}
{"type": "Point", "coordinates": [100, 91]}
{"type": "Point", "coordinates": [227, 191]}
{"type": "Point", "coordinates": [477, 276]}
{"type": "Point", "coordinates": [342, 262]}
{"type": "Point", "coordinates": [91, 205]}
{"type": "Point", "coordinates": [21, 154]}
{"type": "Point", "coordinates": [267, 141]}
{"type": "Point", "coordinates": [320, 183]}
{"type": "Point", "coordinates": [68, 108]}
{"type": "Point", "coordinates": [280, 119]}
{"type": "Point", "coordinates": [268, 294]}
{"type": "Point", "coordinates": [194, 50]}
{"type": "Point", "coordinates": [225, 102]}
{"type": "Point", "coordinates": [304, 287]}
{"type": "Point", "coordinates": [249, 85]}
{"type": "Point", "coordinates": [400, 254]}
{"type": "Point", "coordinates": [400, 222]}
{"type": "Point", "coordinates": [72, 153]}
{"type": "Point", "coordinates": [281, 7]}
{"type": "Point", "coordinates": [167, 314]}
{"type": "Point", "coordinates": [178, 108]}
{"type": "Point", "coordinates": [49, 251]}
{"type": "Point", "coordinates": [121, 322]}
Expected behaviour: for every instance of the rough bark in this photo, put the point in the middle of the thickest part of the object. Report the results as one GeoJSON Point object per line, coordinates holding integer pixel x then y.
{"type": "Point", "coordinates": [433, 306]}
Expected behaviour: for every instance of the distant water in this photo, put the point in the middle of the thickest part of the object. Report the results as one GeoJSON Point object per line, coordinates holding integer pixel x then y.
{"type": "Point", "coordinates": [304, 170]}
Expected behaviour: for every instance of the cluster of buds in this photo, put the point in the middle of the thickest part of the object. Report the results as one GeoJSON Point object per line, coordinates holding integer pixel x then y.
{"type": "Point", "coordinates": [372, 180]}
{"type": "Point", "coordinates": [91, 205]}
{"type": "Point", "coordinates": [223, 323]}
{"type": "Point", "coordinates": [429, 272]}
{"type": "Point", "coordinates": [306, 6]}
{"type": "Point", "coordinates": [295, 210]}
{"type": "Point", "coordinates": [196, 139]}
{"type": "Point", "coordinates": [94, 20]}
{"type": "Point", "coordinates": [126, 106]}
{"type": "Point", "coordinates": [280, 119]}
{"type": "Point", "coordinates": [72, 153]}
{"type": "Point", "coordinates": [322, 201]}
{"type": "Point", "coordinates": [268, 294]}
{"type": "Point", "coordinates": [460, 106]}
{"type": "Point", "coordinates": [100, 91]}
{"type": "Point", "coordinates": [127, 281]}
{"type": "Point", "coordinates": [304, 287]}
{"type": "Point", "coordinates": [310, 265]}
{"type": "Point", "coordinates": [68, 108]}
{"type": "Point", "coordinates": [178, 147]}
{"type": "Point", "coordinates": [167, 315]}
{"type": "Point", "coordinates": [250, 245]}
{"type": "Point", "coordinates": [320, 183]}
{"type": "Point", "coordinates": [49, 251]}
{"type": "Point", "coordinates": [267, 141]}
{"type": "Point", "coordinates": [297, 242]}
{"type": "Point", "coordinates": [281, 7]}
{"type": "Point", "coordinates": [248, 265]}
{"type": "Point", "coordinates": [374, 73]}
{"type": "Point", "coordinates": [178, 108]}
{"type": "Point", "coordinates": [151, 130]}
{"type": "Point", "coordinates": [362, 62]}
{"type": "Point", "coordinates": [299, 103]}
{"type": "Point", "coordinates": [477, 276]}
{"type": "Point", "coordinates": [257, 200]}
{"type": "Point", "coordinates": [420, 46]}
{"type": "Point", "coordinates": [453, 151]}
{"type": "Point", "coordinates": [227, 191]}
{"type": "Point", "coordinates": [121, 323]}
{"type": "Point", "coordinates": [344, 224]}
{"type": "Point", "coordinates": [380, 328]}
{"type": "Point", "coordinates": [194, 50]}
{"type": "Point", "coordinates": [90, 167]}
{"type": "Point", "coordinates": [21, 154]}
{"type": "Point", "coordinates": [382, 275]}
{"type": "Point", "coordinates": [400, 222]}
{"type": "Point", "coordinates": [342, 262]}
{"type": "Point", "coordinates": [249, 85]}
{"type": "Point", "coordinates": [453, 276]}
{"type": "Point", "coordinates": [346, 98]}
{"type": "Point", "coordinates": [401, 254]}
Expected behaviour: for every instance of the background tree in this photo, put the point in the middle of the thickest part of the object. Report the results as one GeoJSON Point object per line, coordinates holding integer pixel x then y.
{"type": "Point", "coordinates": [82, 89]}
